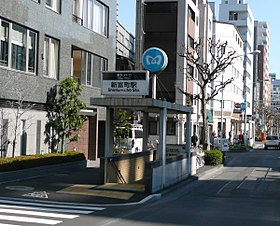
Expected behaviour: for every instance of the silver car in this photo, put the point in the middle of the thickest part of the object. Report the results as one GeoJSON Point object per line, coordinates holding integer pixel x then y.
{"type": "Point", "coordinates": [271, 141]}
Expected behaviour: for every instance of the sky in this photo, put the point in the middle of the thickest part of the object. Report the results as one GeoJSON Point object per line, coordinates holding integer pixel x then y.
{"type": "Point", "coordinates": [262, 10]}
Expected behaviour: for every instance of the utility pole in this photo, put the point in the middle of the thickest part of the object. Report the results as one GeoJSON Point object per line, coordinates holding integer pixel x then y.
{"type": "Point", "coordinates": [139, 34]}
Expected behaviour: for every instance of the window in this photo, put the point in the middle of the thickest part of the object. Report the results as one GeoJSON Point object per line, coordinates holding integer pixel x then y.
{"type": "Point", "coordinates": [51, 49]}
{"type": "Point", "coordinates": [87, 67]}
{"type": "Point", "coordinates": [18, 48]}
{"type": "Point", "coordinates": [4, 47]}
{"type": "Point", "coordinates": [94, 13]}
{"type": "Point", "coordinates": [190, 42]}
{"type": "Point", "coordinates": [153, 128]}
{"type": "Point", "coordinates": [171, 127]}
{"type": "Point", "coordinates": [233, 15]}
{"type": "Point", "coordinates": [54, 5]}
{"type": "Point", "coordinates": [100, 18]}
{"type": "Point", "coordinates": [190, 70]}
{"type": "Point", "coordinates": [191, 14]}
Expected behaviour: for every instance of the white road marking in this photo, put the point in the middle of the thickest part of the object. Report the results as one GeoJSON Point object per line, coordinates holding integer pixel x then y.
{"type": "Point", "coordinates": [37, 213]}
{"type": "Point", "coordinates": [29, 220]}
{"type": "Point", "coordinates": [37, 194]}
{"type": "Point", "coordinates": [48, 209]}
{"type": "Point", "coordinates": [9, 224]}
{"type": "Point", "coordinates": [65, 206]}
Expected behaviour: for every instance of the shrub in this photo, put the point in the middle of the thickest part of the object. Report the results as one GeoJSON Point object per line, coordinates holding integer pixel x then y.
{"type": "Point", "coordinates": [237, 147]}
{"type": "Point", "coordinates": [213, 157]}
{"type": "Point", "coordinates": [29, 161]}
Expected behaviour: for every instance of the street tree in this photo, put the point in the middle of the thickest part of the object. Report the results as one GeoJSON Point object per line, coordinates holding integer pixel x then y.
{"type": "Point", "coordinates": [208, 71]}
{"type": "Point", "coordinates": [64, 118]}
{"type": "Point", "coordinates": [4, 141]}
{"type": "Point", "coordinates": [19, 107]}
{"type": "Point", "coordinates": [122, 124]}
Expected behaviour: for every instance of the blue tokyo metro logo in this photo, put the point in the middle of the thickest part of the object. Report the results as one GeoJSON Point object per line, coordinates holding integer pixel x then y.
{"type": "Point", "coordinates": [154, 59]}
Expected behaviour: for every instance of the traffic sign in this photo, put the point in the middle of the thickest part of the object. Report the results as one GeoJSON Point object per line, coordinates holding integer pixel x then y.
{"type": "Point", "coordinates": [237, 105]}
{"type": "Point", "coordinates": [243, 106]}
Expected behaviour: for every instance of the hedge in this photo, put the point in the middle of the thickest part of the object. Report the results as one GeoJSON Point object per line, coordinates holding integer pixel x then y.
{"type": "Point", "coordinates": [213, 157]}
{"type": "Point", "coordinates": [29, 161]}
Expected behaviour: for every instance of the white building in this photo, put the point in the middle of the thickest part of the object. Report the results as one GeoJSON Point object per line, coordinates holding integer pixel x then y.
{"type": "Point", "coordinates": [224, 103]}
{"type": "Point", "coordinates": [239, 13]}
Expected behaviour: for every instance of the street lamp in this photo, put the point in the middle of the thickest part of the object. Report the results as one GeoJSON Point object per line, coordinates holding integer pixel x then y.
{"type": "Point", "coordinates": [245, 95]}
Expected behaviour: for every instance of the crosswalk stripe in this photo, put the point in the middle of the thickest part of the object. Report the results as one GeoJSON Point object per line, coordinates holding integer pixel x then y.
{"type": "Point", "coordinates": [36, 213]}
{"type": "Point", "coordinates": [48, 209]}
{"type": "Point", "coordinates": [30, 220]}
{"type": "Point", "coordinates": [65, 206]}
{"type": "Point", "coordinates": [9, 224]}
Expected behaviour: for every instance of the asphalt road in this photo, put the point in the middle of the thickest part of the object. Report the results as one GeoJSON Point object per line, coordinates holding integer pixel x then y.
{"type": "Point", "coordinates": [244, 192]}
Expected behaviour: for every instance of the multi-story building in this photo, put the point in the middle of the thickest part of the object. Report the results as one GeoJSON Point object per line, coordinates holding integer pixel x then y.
{"type": "Point", "coordinates": [239, 13]}
{"type": "Point", "coordinates": [262, 42]}
{"type": "Point", "coordinates": [170, 26]}
{"type": "Point", "coordinates": [43, 42]}
{"type": "Point", "coordinates": [224, 103]}
{"type": "Point", "coordinates": [125, 49]}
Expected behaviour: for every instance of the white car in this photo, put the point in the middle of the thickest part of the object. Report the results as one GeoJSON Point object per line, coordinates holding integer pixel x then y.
{"type": "Point", "coordinates": [133, 142]}
{"type": "Point", "coordinates": [271, 141]}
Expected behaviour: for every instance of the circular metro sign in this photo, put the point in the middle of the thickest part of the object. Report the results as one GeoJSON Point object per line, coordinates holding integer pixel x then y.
{"type": "Point", "coordinates": [154, 59]}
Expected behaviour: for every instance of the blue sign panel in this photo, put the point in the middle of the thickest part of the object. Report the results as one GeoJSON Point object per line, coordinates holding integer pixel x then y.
{"type": "Point", "coordinates": [243, 106]}
{"type": "Point", "coordinates": [154, 59]}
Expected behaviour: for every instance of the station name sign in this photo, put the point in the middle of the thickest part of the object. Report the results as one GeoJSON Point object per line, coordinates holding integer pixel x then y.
{"type": "Point", "coordinates": [125, 83]}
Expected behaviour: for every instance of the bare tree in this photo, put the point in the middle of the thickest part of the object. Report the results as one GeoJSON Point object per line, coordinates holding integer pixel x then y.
{"type": "Point", "coordinates": [19, 108]}
{"type": "Point", "coordinates": [3, 132]}
{"type": "Point", "coordinates": [220, 58]}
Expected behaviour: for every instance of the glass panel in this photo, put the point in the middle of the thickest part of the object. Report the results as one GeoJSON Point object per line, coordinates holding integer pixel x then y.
{"type": "Point", "coordinates": [90, 14]}
{"type": "Point", "coordinates": [49, 3]}
{"type": "Point", "coordinates": [100, 18]}
{"type": "Point", "coordinates": [77, 64]}
{"type": "Point", "coordinates": [31, 53]}
{"type": "Point", "coordinates": [4, 38]}
{"type": "Point", "coordinates": [54, 44]}
{"type": "Point", "coordinates": [89, 68]}
{"type": "Point", "coordinates": [46, 56]}
{"type": "Point", "coordinates": [57, 6]}
{"type": "Point", "coordinates": [18, 47]}
{"type": "Point", "coordinates": [83, 67]}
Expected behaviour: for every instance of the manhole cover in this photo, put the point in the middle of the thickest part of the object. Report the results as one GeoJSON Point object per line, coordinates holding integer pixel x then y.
{"type": "Point", "coordinates": [19, 188]}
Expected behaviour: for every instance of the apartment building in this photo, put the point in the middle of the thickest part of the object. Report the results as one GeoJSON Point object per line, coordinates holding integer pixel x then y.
{"type": "Point", "coordinates": [125, 49]}
{"type": "Point", "coordinates": [224, 104]}
{"type": "Point", "coordinates": [43, 42]}
{"type": "Point", "coordinates": [239, 13]}
{"type": "Point", "coordinates": [262, 43]}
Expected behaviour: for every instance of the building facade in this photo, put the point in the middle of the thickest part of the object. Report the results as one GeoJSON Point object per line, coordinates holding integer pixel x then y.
{"type": "Point", "coordinates": [125, 49]}
{"type": "Point", "coordinates": [170, 26]}
{"type": "Point", "coordinates": [225, 112]}
{"type": "Point", "coordinates": [239, 13]}
{"type": "Point", "coordinates": [43, 42]}
{"type": "Point", "coordinates": [262, 100]}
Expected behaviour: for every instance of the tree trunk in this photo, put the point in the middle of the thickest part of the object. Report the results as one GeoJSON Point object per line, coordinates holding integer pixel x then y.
{"type": "Point", "coordinates": [205, 129]}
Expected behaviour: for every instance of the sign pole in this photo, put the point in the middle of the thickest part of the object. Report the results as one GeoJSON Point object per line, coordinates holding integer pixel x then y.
{"type": "Point", "coordinates": [154, 88]}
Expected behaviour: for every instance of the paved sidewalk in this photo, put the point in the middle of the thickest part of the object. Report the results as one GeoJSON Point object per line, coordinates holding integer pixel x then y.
{"type": "Point", "coordinates": [79, 185]}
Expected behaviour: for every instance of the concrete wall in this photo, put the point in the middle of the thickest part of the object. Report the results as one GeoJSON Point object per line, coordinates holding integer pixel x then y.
{"type": "Point", "coordinates": [177, 169]}
{"type": "Point", "coordinates": [130, 167]}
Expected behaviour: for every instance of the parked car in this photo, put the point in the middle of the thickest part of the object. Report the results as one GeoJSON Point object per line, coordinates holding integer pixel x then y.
{"type": "Point", "coordinates": [271, 141]}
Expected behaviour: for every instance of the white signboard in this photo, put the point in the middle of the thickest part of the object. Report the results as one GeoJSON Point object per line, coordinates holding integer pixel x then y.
{"type": "Point", "coordinates": [125, 83]}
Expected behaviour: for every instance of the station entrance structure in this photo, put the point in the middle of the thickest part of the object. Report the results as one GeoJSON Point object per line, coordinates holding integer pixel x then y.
{"type": "Point", "coordinates": [161, 177]}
